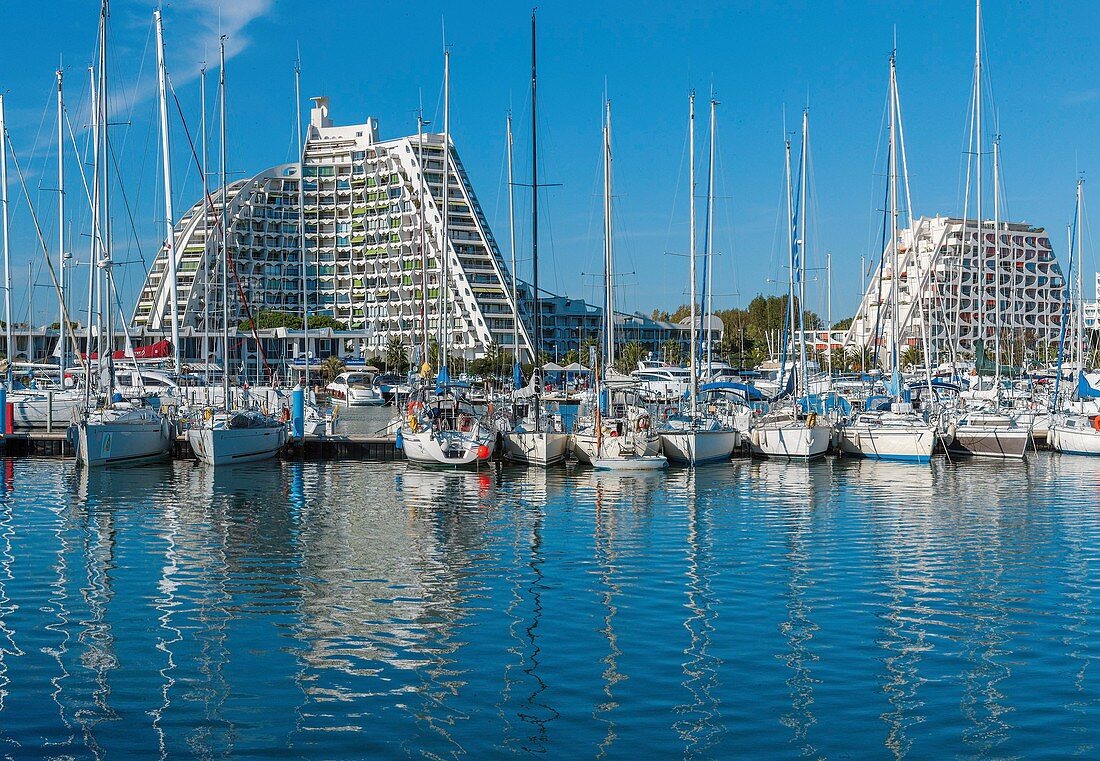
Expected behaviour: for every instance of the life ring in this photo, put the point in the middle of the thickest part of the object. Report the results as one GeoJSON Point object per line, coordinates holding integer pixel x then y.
{"type": "Point", "coordinates": [1096, 422]}
{"type": "Point", "coordinates": [643, 423]}
{"type": "Point", "coordinates": [415, 407]}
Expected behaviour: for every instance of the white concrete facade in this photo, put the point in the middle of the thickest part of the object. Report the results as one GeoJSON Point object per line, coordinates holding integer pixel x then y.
{"type": "Point", "coordinates": [950, 284]}
{"type": "Point", "coordinates": [363, 199]}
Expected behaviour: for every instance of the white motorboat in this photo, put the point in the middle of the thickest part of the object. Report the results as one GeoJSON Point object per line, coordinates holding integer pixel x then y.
{"type": "Point", "coordinates": [660, 380]}
{"type": "Point", "coordinates": [355, 389]}
{"type": "Point", "coordinates": [122, 434]}
{"type": "Point", "coordinates": [227, 438]}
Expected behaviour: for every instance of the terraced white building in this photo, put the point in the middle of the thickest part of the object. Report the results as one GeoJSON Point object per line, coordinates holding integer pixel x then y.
{"type": "Point", "coordinates": [365, 201]}
{"type": "Point", "coordinates": [950, 282]}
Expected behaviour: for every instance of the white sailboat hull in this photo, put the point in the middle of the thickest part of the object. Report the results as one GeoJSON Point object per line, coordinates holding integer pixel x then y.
{"type": "Point", "coordinates": [446, 448]}
{"type": "Point", "coordinates": [1075, 436]}
{"type": "Point", "coordinates": [586, 448]}
{"type": "Point", "coordinates": [228, 446]}
{"type": "Point", "coordinates": [906, 443]}
{"type": "Point", "coordinates": [631, 464]}
{"type": "Point", "coordinates": [33, 409]}
{"type": "Point", "coordinates": [989, 436]}
{"type": "Point", "coordinates": [101, 444]}
{"type": "Point", "coordinates": [793, 440]}
{"type": "Point", "coordinates": [699, 447]}
{"type": "Point", "coordinates": [536, 448]}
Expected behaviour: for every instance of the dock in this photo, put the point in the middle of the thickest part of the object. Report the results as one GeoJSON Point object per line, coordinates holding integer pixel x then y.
{"type": "Point", "coordinates": [355, 447]}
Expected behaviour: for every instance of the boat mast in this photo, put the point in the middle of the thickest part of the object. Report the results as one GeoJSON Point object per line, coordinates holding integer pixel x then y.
{"type": "Point", "coordinates": [93, 253]}
{"type": "Point", "coordinates": [895, 261]}
{"type": "Point", "coordinates": [535, 213]}
{"type": "Point", "coordinates": [302, 215]}
{"type": "Point", "coordinates": [708, 308]}
{"type": "Point", "coordinates": [444, 246]}
{"type": "Point", "coordinates": [790, 267]}
{"type": "Point", "coordinates": [205, 238]}
{"type": "Point", "coordinates": [423, 252]}
{"type": "Point", "coordinates": [1080, 293]}
{"type": "Point", "coordinates": [802, 204]}
{"type": "Point", "coordinates": [691, 256]}
{"type": "Point", "coordinates": [512, 242]}
{"type": "Point", "coordinates": [608, 244]}
{"type": "Point", "coordinates": [997, 265]}
{"type": "Point", "coordinates": [62, 321]}
{"type": "Point", "coordinates": [106, 262]}
{"type": "Point", "coordinates": [224, 231]}
{"type": "Point", "coordinates": [9, 339]}
{"type": "Point", "coordinates": [166, 160]}
{"type": "Point", "coordinates": [980, 252]}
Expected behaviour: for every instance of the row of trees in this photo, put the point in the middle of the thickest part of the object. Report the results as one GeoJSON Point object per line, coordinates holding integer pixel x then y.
{"type": "Point", "coordinates": [267, 319]}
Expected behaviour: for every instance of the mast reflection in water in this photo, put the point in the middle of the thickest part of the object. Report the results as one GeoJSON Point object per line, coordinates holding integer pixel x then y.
{"type": "Point", "coordinates": [364, 610]}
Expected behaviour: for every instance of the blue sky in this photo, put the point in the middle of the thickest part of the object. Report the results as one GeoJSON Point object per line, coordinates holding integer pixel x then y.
{"type": "Point", "coordinates": [761, 58]}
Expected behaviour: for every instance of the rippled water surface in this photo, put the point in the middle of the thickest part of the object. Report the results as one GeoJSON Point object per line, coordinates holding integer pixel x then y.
{"type": "Point", "coordinates": [357, 610]}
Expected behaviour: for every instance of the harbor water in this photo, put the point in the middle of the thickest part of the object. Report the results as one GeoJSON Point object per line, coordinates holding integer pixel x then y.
{"type": "Point", "coordinates": [841, 609]}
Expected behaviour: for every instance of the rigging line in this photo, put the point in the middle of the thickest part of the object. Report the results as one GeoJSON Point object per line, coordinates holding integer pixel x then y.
{"type": "Point", "coordinates": [125, 198]}
{"type": "Point", "coordinates": [42, 241]}
{"type": "Point", "coordinates": [218, 230]}
{"type": "Point", "coordinates": [676, 195]}
{"type": "Point", "coordinates": [135, 89]}
{"type": "Point", "coordinates": [729, 236]}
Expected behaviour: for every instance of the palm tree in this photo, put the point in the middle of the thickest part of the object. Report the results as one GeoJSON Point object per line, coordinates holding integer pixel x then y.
{"type": "Point", "coordinates": [331, 367]}
{"type": "Point", "coordinates": [396, 357]}
{"type": "Point", "coordinates": [629, 357]}
{"type": "Point", "coordinates": [912, 357]}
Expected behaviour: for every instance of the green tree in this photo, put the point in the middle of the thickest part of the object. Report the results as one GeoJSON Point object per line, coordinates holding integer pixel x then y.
{"type": "Point", "coordinates": [670, 351]}
{"type": "Point", "coordinates": [397, 359]}
{"type": "Point", "coordinates": [911, 357]}
{"type": "Point", "coordinates": [331, 367]}
{"type": "Point", "coordinates": [267, 319]}
{"type": "Point", "coordinates": [629, 356]}
{"type": "Point", "coordinates": [839, 359]}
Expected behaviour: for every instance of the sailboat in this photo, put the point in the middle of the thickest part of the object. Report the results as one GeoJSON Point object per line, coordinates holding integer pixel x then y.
{"type": "Point", "coordinates": [1075, 430]}
{"type": "Point", "coordinates": [53, 402]}
{"type": "Point", "coordinates": [619, 425]}
{"type": "Point", "coordinates": [115, 432]}
{"type": "Point", "coordinates": [226, 436]}
{"type": "Point", "coordinates": [889, 429]}
{"type": "Point", "coordinates": [696, 438]}
{"type": "Point", "coordinates": [985, 430]}
{"type": "Point", "coordinates": [793, 429]}
{"type": "Point", "coordinates": [537, 437]}
{"type": "Point", "coordinates": [442, 427]}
